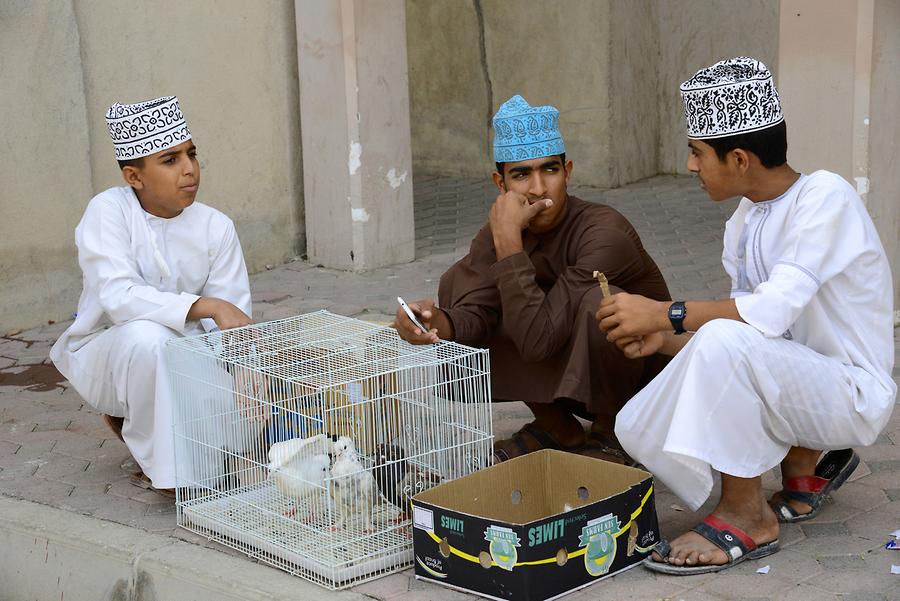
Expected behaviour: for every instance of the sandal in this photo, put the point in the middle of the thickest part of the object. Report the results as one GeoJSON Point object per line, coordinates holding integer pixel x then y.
{"type": "Point", "coordinates": [529, 439]}
{"type": "Point", "coordinates": [831, 472]}
{"type": "Point", "coordinates": [738, 547]}
{"type": "Point", "coordinates": [601, 445]}
{"type": "Point", "coordinates": [141, 480]}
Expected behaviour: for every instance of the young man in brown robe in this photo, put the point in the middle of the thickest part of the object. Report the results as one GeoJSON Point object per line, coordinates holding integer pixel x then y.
{"type": "Point", "coordinates": [526, 291]}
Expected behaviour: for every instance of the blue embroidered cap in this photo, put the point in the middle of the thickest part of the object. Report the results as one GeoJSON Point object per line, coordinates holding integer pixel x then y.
{"type": "Point", "coordinates": [523, 132]}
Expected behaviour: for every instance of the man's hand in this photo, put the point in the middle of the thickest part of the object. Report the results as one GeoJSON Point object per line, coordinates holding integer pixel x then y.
{"type": "Point", "coordinates": [636, 347]}
{"type": "Point", "coordinates": [228, 316]}
{"type": "Point", "coordinates": [425, 311]}
{"type": "Point", "coordinates": [225, 314]}
{"type": "Point", "coordinates": [624, 316]}
{"type": "Point", "coordinates": [510, 214]}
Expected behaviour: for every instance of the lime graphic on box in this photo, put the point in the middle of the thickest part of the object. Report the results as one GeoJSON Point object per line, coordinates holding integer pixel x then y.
{"type": "Point", "coordinates": [599, 538]}
{"type": "Point", "coordinates": [503, 546]}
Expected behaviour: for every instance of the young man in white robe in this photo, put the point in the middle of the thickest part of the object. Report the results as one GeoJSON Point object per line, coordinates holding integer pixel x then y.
{"type": "Point", "coordinates": [156, 265]}
{"type": "Point", "coordinates": [798, 361]}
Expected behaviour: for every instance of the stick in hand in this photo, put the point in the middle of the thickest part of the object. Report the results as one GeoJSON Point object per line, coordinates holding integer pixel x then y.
{"type": "Point", "coordinates": [604, 283]}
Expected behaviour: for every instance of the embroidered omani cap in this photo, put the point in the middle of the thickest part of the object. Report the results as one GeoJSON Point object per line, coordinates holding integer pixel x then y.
{"type": "Point", "coordinates": [523, 132]}
{"type": "Point", "coordinates": [734, 96]}
{"type": "Point", "coordinates": [145, 128]}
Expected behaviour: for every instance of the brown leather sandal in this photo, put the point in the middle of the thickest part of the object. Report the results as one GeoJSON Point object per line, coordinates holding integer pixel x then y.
{"type": "Point", "coordinates": [604, 445]}
{"type": "Point", "coordinates": [141, 480]}
{"type": "Point", "coordinates": [529, 439]}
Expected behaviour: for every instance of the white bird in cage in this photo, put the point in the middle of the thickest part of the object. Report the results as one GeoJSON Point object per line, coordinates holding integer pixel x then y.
{"type": "Point", "coordinates": [300, 467]}
{"type": "Point", "coordinates": [353, 486]}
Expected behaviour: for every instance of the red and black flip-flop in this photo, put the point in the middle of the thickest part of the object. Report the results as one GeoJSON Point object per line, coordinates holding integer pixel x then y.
{"type": "Point", "coordinates": [831, 472]}
{"type": "Point", "coordinates": [736, 543]}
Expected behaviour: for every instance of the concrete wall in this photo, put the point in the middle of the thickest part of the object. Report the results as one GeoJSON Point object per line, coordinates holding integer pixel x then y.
{"type": "Point", "coordinates": [45, 180]}
{"type": "Point", "coordinates": [839, 61]}
{"type": "Point", "coordinates": [884, 133]}
{"type": "Point", "coordinates": [467, 57]}
{"type": "Point", "coordinates": [358, 180]}
{"type": "Point", "coordinates": [64, 63]}
{"type": "Point", "coordinates": [633, 151]}
{"type": "Point", "coordinates": [817, 64]}
{"type": "Point", "coordinates": [450, 89]}
{"type": "Point", "coordinates": [694, 34]}
{"type": "Point", "coordinates": [612, 67]}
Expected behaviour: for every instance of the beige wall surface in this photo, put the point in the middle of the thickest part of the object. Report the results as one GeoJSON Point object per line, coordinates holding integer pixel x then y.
{"type": "Point", "coordinates": [353, 81]}
{"type": "Point", "coordinates": [612, 67]}
{"type": "Point", "coordinates": [694, 34]}
{"type": "Point", "coordinates": [839, 61]}
{"type": "Point", "coordinates": [634, 79]}
{"type": "Point", "coordinates": [467, 58]}
{"type": "Point", "coordinates": [556, 54]}
{"type": "Point", "coordinates": [450, 106]}
{"type": "Point", "coordinates": [816, 68]}
{"type": "Point", "coordinates": [64, 63]}
{"type": "Point", "coordinates": [884, 134]}
{"type": "Point", "coordinates": [45, 179]}
{"type": "Point", "coordinates": [236, 79]}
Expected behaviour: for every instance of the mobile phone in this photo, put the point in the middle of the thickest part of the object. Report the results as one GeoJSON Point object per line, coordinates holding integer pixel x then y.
{"type": "Point", "coordinates": [411, 315]}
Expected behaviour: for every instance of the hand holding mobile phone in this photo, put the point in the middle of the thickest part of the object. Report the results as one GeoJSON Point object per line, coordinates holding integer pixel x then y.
{"type": "Point", "coordinates": [411, 315]}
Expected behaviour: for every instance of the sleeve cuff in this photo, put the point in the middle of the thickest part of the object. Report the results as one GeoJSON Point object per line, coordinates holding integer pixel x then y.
{"type": "Point", "coordinates": [180, 311]}
{"type": "Point", "coordinates": [511, 265]}
{"type": "Point", "coordinates": [775, 305]}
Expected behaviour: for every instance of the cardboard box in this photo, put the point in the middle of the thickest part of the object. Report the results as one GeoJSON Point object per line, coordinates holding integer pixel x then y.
{"type": "Point", "coordinates": [535, 527]}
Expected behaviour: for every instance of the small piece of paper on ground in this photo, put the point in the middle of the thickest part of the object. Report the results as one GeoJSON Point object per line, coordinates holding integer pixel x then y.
{"type": "Point", "coordinates": [895, 569]}
{"type": "Point", "coordinates": [763, 570]}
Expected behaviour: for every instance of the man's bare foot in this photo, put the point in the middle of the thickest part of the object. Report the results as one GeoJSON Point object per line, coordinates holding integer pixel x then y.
{"type": "Point", "coordinates": [753, 516]}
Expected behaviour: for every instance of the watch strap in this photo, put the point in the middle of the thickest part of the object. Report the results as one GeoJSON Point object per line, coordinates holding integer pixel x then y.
{"type": "Point", "coordinates": [677, 313]}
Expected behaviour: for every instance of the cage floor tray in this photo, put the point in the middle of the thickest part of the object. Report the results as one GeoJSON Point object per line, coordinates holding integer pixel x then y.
{"type": "Point", "coordinates": [252, 519]}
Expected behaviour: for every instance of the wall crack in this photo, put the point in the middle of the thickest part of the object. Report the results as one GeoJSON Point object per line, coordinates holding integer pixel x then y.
{"type": "Point", "coordinates": [482, 48]}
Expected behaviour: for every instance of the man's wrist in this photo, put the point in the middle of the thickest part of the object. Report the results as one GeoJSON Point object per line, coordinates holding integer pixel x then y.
{"type": "Point", "coordinates": [507, 243]}
{"type": "Point", "coordinates": [662, 317]}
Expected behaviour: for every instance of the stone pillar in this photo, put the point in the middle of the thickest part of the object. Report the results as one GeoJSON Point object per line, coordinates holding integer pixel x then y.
{"type": "Point", "coordinates": [354, 122]}
{"type": "Point", "coordinates": [837, 75]}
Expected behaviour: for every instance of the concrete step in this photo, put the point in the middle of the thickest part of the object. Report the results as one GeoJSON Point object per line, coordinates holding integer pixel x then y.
{"type": "Point", "coordinates": [55, 555]}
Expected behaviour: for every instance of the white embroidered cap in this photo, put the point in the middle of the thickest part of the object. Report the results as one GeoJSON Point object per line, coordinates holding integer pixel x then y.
{"type": "Point", "coordinates": [145, 128]}
{"type": "Point", "coordinates": [734, 96]}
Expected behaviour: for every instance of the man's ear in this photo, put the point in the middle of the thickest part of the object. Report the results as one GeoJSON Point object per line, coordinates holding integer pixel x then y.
{"type": "Point", "coordinates": [741, 159]}
{"type": "Point", "coordinates": [132, 177]}
{"type": "Point", "coordinates": [568, 167]}
{"type": "Point", "coordinates": [498, 181]}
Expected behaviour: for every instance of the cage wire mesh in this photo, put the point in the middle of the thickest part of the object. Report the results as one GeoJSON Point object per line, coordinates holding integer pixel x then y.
{"type": "Point", "coordinates": [300, 441]}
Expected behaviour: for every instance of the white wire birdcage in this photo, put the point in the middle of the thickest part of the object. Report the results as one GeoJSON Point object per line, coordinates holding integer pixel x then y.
{"type": "Point", "coordinates": [300, 441]}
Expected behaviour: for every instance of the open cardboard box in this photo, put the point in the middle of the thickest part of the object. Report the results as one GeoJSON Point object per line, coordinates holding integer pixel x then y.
{"type": "Point", "coordinates": [535, 527]}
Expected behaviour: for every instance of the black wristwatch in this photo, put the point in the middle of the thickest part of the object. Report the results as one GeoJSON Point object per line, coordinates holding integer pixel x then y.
{"type": "Point", "coordinates": [677, 313]}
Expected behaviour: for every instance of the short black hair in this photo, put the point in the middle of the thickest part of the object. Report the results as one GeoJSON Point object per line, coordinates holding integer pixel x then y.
{"type": "Point", "coordinates": [562, 157]}
{"type": "Point", "coordinates": [138, 163]}
{"type": "Point", "coordinates": [769, 144]}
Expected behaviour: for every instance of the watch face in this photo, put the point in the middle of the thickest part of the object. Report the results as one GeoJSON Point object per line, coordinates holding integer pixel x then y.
{"type": "Point", "coordinates": [676, 312]}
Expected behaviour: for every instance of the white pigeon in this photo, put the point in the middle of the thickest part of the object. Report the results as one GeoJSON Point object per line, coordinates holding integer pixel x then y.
{"type": "Point", "coordinates": [300, 467]}
{"type": "Point", "coordinates": [353, 486]}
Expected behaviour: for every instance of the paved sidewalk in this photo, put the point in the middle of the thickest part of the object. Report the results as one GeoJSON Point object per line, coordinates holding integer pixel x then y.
{"type": "Point", "coordinates": [55, 452]}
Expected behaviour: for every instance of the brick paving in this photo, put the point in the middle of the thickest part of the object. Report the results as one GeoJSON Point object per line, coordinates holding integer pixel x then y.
{"type": "Point", "coordinates": [56, 451]}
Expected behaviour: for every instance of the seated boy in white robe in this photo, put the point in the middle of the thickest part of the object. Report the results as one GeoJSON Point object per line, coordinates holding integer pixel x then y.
{"type": "Point", "coordinates": [155, 263]}
{"type": "Point", "coordinates": [798, 361]}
